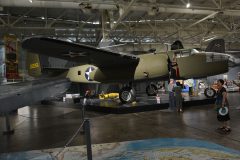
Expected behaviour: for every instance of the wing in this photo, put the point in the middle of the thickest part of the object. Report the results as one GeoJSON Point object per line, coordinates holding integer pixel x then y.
{"type": "Point", "coordinates": [79, 53]}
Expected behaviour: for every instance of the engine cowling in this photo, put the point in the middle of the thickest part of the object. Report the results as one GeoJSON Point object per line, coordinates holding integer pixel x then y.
{"type": "Point", "coordinates": [82, 74]}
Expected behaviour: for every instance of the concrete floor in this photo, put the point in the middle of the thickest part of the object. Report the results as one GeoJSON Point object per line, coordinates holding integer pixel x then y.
{"type": "Point", "coordinates": [50, 126]}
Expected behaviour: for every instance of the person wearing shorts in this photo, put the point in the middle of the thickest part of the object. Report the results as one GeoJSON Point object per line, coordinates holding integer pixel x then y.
{"type": "Point", "coordinates": [221, 102]}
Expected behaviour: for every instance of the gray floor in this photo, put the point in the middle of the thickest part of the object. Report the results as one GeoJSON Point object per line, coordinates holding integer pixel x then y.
{"type": "Point", "coordinates": [50, 126]}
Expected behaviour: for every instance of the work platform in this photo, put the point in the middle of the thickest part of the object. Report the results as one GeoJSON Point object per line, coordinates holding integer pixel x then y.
{"type": "Point", "coordinates": [143, 103]}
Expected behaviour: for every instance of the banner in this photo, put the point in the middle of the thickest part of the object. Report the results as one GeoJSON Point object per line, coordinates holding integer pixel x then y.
{"type": "Point", "coordinates": [11, 53]}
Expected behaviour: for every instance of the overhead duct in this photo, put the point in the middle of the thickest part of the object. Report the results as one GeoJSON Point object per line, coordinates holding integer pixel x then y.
{"type": "Point", "coordinates": [114, 6]}
{"type": "Point", "coordinates": [39, 4]}
{"type": "Point", "coordinates": [54, 4]}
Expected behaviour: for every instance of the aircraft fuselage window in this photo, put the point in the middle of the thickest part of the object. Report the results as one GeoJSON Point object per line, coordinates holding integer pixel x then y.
{"type": "Point", "coordinates": [79, 72]}
{"type": "Point", "coordinates": [215, 57]}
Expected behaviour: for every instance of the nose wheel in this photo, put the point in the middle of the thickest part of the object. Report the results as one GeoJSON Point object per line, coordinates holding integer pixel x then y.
{"type": "Point", "coordinates": [127, 95]}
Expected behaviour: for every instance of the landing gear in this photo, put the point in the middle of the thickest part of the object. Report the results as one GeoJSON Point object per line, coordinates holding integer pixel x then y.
{"type": "Point", "coordinates": [151, 90]}
{"type": "Point", "coordinates": [127, 95]}
{"type": "Point", "coordinates": [209, 92]}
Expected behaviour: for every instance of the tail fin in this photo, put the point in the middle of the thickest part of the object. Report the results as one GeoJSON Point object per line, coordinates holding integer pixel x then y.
{"type": "Point", "coordinates": [33, 65]}
{"type": "Point", "coordinates": [177, 45]}
{"type": "Point", "coordinates": [217, 45]}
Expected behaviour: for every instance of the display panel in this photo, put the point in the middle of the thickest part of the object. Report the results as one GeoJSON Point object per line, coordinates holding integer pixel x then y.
{"type": "Point", "coordinates": [2, 62]}
{"type": "Point", "coordinates": [11, 53]}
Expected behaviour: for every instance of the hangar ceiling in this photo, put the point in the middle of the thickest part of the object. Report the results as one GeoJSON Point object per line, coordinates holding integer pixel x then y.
{"type": "Point", "coordinates": [123, 21]}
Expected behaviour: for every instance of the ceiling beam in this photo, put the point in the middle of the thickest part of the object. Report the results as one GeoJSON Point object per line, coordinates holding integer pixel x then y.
{"type": "Point", "coordinates": [138, 31]}
{"type": "Point", "coordinates": [199, 21]}
{"type": "Point", "coordinates": [191, 36]}
{"type": "Point", "coordinates": [183, 1]}
{"type": "Point", "coordinates": [224, 24]}
{"type": "Point", "coordinates": [26, 13]}
{"type": "Point", "coordinates": [3, 22]}
{"type": "Point", "coordinates": [234, 3]}
{"type": "Point", "coordinates": [55, 20]}
{"type": "Point", "coordinates": [124, 13]}
{"type": "Point", "coordinates": [216, 4]}
{"type": "Point", "coordinates": [198, 11]}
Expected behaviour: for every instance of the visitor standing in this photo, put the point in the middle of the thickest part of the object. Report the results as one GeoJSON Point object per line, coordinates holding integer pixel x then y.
{"type": "Point", "coordinates": [222, 105]}
{"type": "Point", "coordinates": [171, 95]}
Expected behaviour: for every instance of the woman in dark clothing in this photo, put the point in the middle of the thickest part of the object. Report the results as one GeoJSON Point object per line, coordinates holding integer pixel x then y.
{"type": "Point", "coordinates": [221, 102]}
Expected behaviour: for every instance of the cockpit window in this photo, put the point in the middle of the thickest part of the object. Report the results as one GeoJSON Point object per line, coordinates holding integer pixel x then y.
{"type": "Point", "coordinates": [194, 51]}
{"type": "Point", "coordinates": [183, 53]}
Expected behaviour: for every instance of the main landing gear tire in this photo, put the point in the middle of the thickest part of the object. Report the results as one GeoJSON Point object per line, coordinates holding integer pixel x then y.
{"type": "Point", "coordinates": [127, 95]}
{"type": "Point", "coordinates": [151, 90]}
{"type": "Point", "coordinates": [209, 92]}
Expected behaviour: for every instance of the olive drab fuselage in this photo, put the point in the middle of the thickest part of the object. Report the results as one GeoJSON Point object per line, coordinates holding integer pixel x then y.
{"type": "Point", "coordinates": [150, 66]}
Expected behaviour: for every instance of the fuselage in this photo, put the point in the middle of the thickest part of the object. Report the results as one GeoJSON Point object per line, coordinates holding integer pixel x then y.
{"type": "Point", "coordinates": [150, 66]}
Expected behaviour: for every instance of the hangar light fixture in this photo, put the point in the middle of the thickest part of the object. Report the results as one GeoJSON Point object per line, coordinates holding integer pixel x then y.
{"type": "Point", "coordinates": [30, 1]}
{"type": "Point", "coordinates": [188, 5]}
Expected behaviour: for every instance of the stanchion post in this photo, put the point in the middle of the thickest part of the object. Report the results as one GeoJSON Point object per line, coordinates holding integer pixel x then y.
{"type": "Point", "coordinates": [83, 117]}
{"type": "Point", "coordinates": [8, 129]}
{"type": "Point", "coordinates": [88, 138]}
{"type": "Point", "coordinates": [83, 113]}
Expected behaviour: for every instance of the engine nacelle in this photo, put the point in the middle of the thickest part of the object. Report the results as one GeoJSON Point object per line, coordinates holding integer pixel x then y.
{"type": "Point", "coordinates": [81, 74]}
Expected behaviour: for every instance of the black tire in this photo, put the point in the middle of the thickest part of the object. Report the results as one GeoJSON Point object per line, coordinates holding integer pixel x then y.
{"type": "Point", "coordinates": [151, 90]}
{"type": "Point", "coordinates": [127, 95]}
{"type": "Point", "coordinates": [209, 92]}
